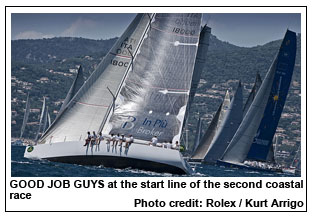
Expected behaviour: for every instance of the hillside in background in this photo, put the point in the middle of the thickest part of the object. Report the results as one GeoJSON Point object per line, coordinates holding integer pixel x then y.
{"type": "Point", "coordinates": [47, 67]}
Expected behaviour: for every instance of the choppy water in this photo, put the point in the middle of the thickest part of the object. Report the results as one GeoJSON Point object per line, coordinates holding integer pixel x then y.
{"type": "Point", "coordinates": [23, 167]}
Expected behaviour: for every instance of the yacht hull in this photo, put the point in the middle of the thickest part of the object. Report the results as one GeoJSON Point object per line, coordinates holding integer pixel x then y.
{"type": "Point", "coordinates": [243, 166]}
{"type": "Point", "coordinates": [137, 156]}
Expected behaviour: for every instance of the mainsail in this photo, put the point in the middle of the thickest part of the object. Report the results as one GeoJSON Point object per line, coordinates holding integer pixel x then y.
{"type": "Point", "coordinates": [200, 61]}
{"type": "Point", "coordinates": [261, 119]}
{"type": "Point", "coordinates": [26, 115]}
{"type": "Point", "coordinates": [78, 82]}
{"type": "Point", "coordinates": [153, 99]}
{"type": "Point", "coordinates": [86, 109]}
{"type": "Point", "coordinates": [252, 94]}
{"type": "Point", "coordinates": [227, 128]}
{"type": "Point", "coordinates": [262, 142]}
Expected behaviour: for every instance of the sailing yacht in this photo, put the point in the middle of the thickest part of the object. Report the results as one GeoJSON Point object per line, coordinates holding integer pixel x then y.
{"type": "Point", "coordinates": [141, 88]}
{"type": "Point", "coordinates": [201, 151]}
{"type": "Point", "coordinates": [44, 121]}
{"type": "Point", "coordinates": [21, 140]}
{"type": "Point", "coordinates": [253, 139]}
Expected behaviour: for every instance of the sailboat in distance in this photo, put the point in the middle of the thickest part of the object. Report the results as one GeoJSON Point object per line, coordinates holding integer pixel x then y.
{"type": "Point", "coordinates": [141, 88]}
{"type": "Point", "coordinates": [253, 139]}
{"type": "Point", "coordinates": [227, 127]}
{"type": "Point", "coordinates": [26, 115]}
{"type": "Point", "coordinates": [201, 151]}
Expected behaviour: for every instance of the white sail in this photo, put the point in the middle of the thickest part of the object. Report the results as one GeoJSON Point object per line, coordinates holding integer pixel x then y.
{"type": "Point", "coordinates": [90, 104]}
{"type": "Point", "coordinates": [227, 127]}
{"type": "Point", "coordinates": [49, 120]}
{"type": "Point", "coordinates": [153, 99]}
{"type": "Point", "coordinates": [26, 115]}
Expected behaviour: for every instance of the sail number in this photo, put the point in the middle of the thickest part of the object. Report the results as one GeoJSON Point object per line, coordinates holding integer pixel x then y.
{"type": "Point", "coordinates": [119, 63]}
{"type": "Point", "coordinates": [182, 31]}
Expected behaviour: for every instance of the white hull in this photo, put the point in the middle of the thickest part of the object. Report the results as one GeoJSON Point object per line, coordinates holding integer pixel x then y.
{"type": "Point", "coordinates": [136, 156]}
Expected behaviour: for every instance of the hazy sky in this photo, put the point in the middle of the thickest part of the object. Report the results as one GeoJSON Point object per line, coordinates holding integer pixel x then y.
{"type": "Point", "coordinates": [239, 29]}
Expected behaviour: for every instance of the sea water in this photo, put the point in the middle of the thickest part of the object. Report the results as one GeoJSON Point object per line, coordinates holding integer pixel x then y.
{"type": "Point", "coordinates": [24, 167]}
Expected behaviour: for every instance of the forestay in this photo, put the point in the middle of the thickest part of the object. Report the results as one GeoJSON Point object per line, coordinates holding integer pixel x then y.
{"type": "Point", "coordinates": [153, 99]}
{"type": "Point", "coordinates": [86, 110]}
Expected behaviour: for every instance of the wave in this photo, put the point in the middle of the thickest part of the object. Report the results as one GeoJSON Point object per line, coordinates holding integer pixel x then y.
{"type": "Point", "coordinates": [21, 162]}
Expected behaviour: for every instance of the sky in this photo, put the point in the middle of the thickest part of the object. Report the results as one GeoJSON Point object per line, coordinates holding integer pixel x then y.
{"type": "Point", "coordinates": [240, 29]}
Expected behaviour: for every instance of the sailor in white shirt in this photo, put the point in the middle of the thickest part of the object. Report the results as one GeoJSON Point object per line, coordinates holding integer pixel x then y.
{"type": "Point", "coordinates": [154, 141]}
{"type": "Point", "coordinates": [129, 140]}
{"type": "Point", "coordinates": [169, 145]}
{"type": "Point", "coordinates": [121, 139]}
{"type": "Point", "coordinates": [115, 139]}
{"type": "Point", "coordinates": [110, 139]}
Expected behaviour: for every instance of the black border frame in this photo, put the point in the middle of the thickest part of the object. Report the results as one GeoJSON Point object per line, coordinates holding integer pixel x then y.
{"type": "Point", "coordinates": [306, 121]}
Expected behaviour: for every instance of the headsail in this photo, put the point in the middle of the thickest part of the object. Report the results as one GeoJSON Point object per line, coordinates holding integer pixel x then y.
{"type": "Point", "coordinates": [26, 115]}
{"type": "Point", "coordinates": [227, 128]}
{"type": "Point", "coordinates": [78, 82]}
{"type": "Point", "coordinates": [266, 108]}
{"type": "Point", "coordinates": [252, 94]}
{"type": "Point", "coordinates": [86, 109]}
{"type": "Point", "coordinates": [205, 142]}
{"type": "Point", "coordinates": [153, 99]}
